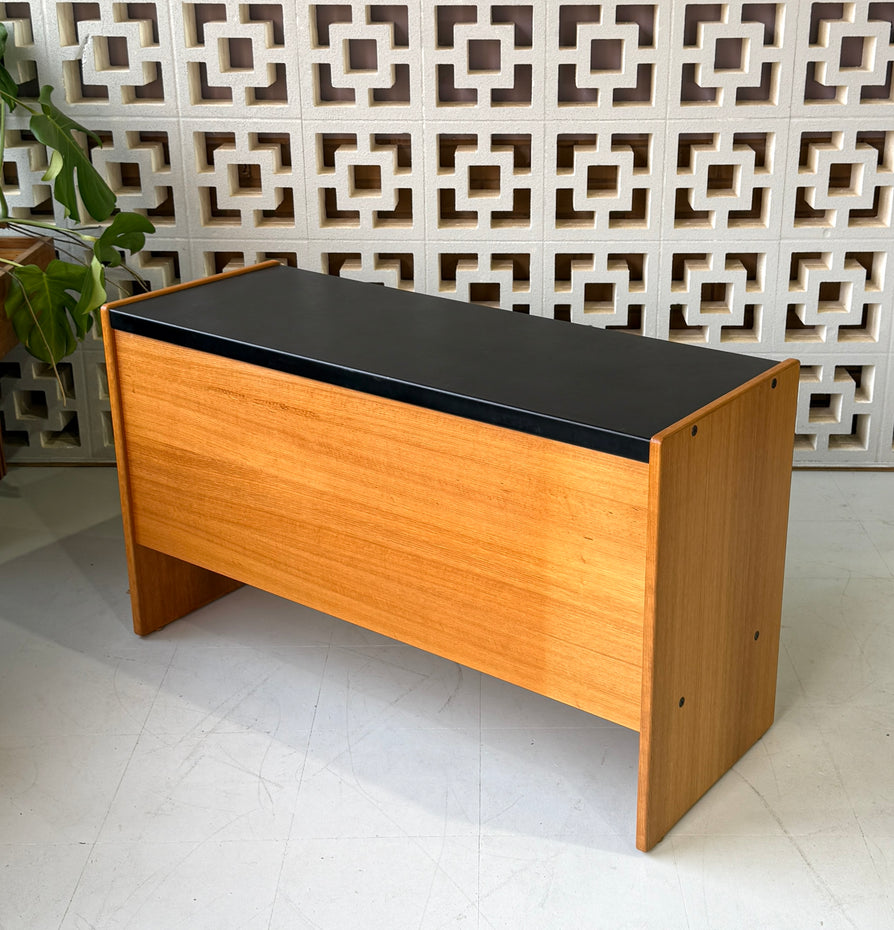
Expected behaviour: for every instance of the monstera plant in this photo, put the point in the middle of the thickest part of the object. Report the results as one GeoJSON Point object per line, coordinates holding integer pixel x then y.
{"type": "Point", "coordinates": [51, 309]}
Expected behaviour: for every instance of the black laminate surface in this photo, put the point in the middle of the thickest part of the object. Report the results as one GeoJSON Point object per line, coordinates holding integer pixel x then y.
{"type": "Point", "coordinates": [604, 390]}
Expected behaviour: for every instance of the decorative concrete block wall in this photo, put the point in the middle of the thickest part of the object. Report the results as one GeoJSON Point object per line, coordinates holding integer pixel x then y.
{"type": "Point", "coordinates": [720, 174]}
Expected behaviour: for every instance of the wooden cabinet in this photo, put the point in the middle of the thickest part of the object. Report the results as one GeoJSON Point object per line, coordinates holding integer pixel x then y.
{"type": "Point", "coordinates": [595, 516]}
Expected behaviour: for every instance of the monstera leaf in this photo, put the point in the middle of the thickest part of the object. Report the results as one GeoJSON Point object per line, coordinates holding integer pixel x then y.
{"type": "Point", "coordinates": [126, 231]}
{"type": "Point", "coordinates": [70, 170]}
{"type": "Point", "coordinates": [52, 309]}
{"type": "Point", "coordinates": [48, 319]}
{"type": "Point", "coordinates": [8, 87]}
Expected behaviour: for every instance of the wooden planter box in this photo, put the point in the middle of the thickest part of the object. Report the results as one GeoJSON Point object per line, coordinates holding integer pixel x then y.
{"type": "Point", "coordinates": [25, 250]}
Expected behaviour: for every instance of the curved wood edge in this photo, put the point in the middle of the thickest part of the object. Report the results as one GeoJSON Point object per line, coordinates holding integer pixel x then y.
{"type": "Point", "coordinates": [719, 484]}
{"type": "Point", "coordinates": [162, 588]}
{"type": "Point", "coordinates": [186, 285]}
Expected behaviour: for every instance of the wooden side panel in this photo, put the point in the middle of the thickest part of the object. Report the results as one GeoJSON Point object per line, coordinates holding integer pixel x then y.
{"type": "Point", "coordinates": [718, 512]}
{"type": "Point", "coordinates": [507, 552]}
{"type": "Point", "coordinates": [162, 588]}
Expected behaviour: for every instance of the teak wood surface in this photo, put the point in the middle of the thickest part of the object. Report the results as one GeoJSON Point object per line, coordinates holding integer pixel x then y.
{"type": "Point", "coordinates": [719, 486]}
{"type": "Point", "coordinates": [506, 552]}
{"type": "Point", "coordinates": [162, 588]}
{"type": "Point", "coordinates": [632, 591]}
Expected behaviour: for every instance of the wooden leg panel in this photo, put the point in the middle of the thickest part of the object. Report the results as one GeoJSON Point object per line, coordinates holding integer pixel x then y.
{"type": "Point", "coordinates": [163, 589]}
{"type": "Point", "coordinates": [718, 511]}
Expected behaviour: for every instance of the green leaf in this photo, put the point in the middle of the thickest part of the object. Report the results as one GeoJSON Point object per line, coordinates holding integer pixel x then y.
{"type": "Point", "coordinates": [126, 231]}
{"type": "Point", "coordinates": [76, 175]}
{"type": "Point", "coordinates": [8, 87]}
{"type": "Point", "coordinates": [43, 311]}
{"type": "Point", "coordinates": [54, 167]}
{"type": "Point", "coordinates": [93, 296]}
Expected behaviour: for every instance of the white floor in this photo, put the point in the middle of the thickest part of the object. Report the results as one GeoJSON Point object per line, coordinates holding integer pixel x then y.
{"type": "Point", "coordinates": [258, 765]}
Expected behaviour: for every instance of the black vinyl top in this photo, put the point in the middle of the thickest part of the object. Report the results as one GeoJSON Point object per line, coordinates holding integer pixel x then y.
{"type": "Point", "coordinates": [604, 390]}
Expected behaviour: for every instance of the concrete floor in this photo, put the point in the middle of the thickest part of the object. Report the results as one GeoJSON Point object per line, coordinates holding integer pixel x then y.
{"type": "Point", "coordinates": [259, 765]}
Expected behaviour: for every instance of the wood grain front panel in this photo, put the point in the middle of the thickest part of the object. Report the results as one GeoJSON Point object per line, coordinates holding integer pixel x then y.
{"type": "Point", "coordinates": [719, 495]}
{"type": "Point", "coordinates": [516, 555]}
